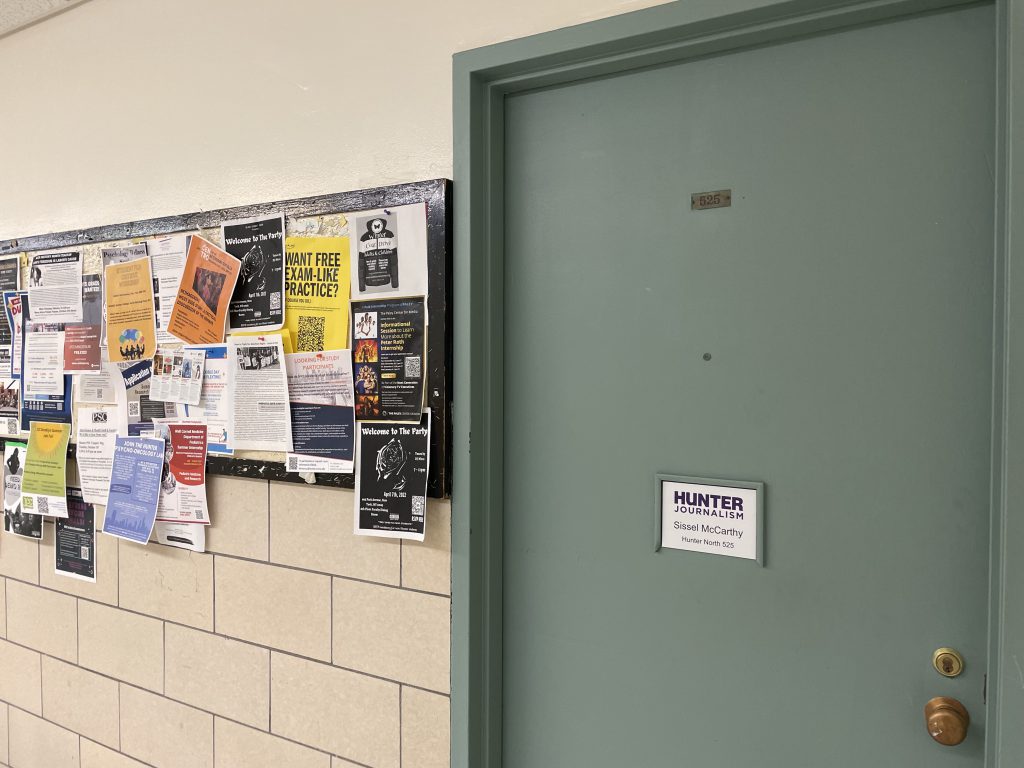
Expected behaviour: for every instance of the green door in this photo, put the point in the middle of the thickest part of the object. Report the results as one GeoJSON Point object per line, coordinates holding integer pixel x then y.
{"type": "Point", "coordinates": [829, 335]}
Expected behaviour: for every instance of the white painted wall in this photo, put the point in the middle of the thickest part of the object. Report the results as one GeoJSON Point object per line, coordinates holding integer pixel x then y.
{"type": "Point", "coordinates": [126, 109]}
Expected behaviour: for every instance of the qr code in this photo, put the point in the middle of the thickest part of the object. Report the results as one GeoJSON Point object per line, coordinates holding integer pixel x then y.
{"type": "Point", "coordinates": [418, 505]}
{"type": "Point", "coordinates": [413, 367]}
{"type": "Point", "coordinates": [311, 334]}
{"type": "Point", "coordinates": [293, 463]}
{"type": "Point", "coordinates": [275, 300]}
{"type": "Point", "coordinates": [133, 409]}
{"type": "Point", "coordinates": [44, 505]}
{"type": "Point", "coordinates": [85, 553]}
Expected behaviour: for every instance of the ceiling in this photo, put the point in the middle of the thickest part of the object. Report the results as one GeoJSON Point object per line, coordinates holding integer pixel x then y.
{"type": "Point", "coordinates": [15, 14]}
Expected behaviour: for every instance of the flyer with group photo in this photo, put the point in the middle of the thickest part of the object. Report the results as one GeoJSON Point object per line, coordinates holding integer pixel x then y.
{"type": "Point", "coordinates": [200, 311]}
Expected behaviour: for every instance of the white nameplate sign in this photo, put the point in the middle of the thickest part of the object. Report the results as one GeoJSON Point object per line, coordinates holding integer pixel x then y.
{"type": "Point", "coordinates": [722, 517]}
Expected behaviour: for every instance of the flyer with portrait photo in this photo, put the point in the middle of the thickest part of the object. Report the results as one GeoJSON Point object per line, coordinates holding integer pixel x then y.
{"type": "Point", "coordinates": [391, 480]}
{"type": "Point", "coordinates": [257, 303]}
{"type": "Point", "coordinates": [388, 351]}
{"type": "Point", "coordinates": [200, 311]}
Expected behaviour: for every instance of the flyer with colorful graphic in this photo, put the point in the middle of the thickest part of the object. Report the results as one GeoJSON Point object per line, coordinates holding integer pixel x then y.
{"type": "Point", "coordinates": [128, 295]}
{"type": "Point", "coordinates": [316, 297]}
{"type": "Point", "coordinates": [388, 348]}
{"type": "Point", "coordinates": [43, 485]}
{"type": "Point", "coordinates": [200, 311]}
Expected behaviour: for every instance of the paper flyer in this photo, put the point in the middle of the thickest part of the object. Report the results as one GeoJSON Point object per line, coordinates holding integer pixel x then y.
{"type": "Point", "coordinates": [98, 386]}
{"type": "Point", "coordinates": [14, 307]}
{"type": "Point", "coordinates": [98, 429]}
{"type": "Point", "coordinates": [167, 255]}
{"type": "Point", "coordinates": [177, 376]}
{"type": "Point", "coordinates": [322, 414]}
{"type": "Point", "coordinates": [82, 340]}
{"type": "Point", "coordinates": [133, 396]}
{"type": "Point", "coordinates": [183, 479]}
{"type": "Point", "coordinates": [215, 405]}
{"type": "Point", "coordinates": [10, 280]}
{"type": "Point", "coordinates": [257, 303]}
{"type": "Point", "coordinates": [388, 353]}
{"type": "Point", "coordinates": [200, 311]}
{"type": "Point", "coordinates": [43, 485]}
{"type": "Point", "coordinates": [74, 549]}
{"type": "Point", "coordinates": [10, 405]}
{"type": "Point", "coordinates": [391, 481]}
{"type": "Point", "coordinates": [55, 287]}
{"type": "Point", "coordinates": [388, 252]}
{"type": "Point", "coordinates": [120, 255]}
{"type": "Point", "coordinates": [181, 535]}
{"type": "Point", "coordinates": [128, 296]}
{"type": "Point", "coordinates": [49, 408]}
{"type": "Point", "coordinates": [316, 296]}
{"type": "Point", "coordinates": [260, 394]}
{"type": "Point", "coordinates": [134, 488]}
{"type": "Point", "coordinates": [42, 370]}
{"type": "Point", "coordinates": [16, 520]}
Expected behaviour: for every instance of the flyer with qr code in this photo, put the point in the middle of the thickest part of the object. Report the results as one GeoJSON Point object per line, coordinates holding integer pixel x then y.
{"type": "Point", "coordinates": [316, 292]}
{"type": "Point", "coordinates": [323, 422]}
{"type": "Point", "coordinates": [388, 359]}
{"type": "Point", "coordinates": [257, 303]}
{"type": "Point", "coordinates": [74, 548]}
{"type": "Point", "coordinates": [43, 486]}
{"type": "Point", "coordinates": [391, 480]}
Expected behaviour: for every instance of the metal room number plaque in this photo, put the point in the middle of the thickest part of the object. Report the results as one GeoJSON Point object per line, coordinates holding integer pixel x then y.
{"type": "Point", "coordinates": [720, 517]}
{"type": "Point", "coordinates": [720, 198]}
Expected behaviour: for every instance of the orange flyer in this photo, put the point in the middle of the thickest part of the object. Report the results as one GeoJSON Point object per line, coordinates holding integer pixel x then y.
{"type": "Point", "coordinates": [200, 311]}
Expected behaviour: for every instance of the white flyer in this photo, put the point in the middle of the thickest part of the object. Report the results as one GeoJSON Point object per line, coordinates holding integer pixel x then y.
{"type": "Point", "coordinates": [55, 287]}
{"type": "Point", "coordinates": [215, 405]}
{"type": "Point", "coordinates": [183, 480]}
{"type": "Point", "coordinates": [43, 372]}
{"type": "Point", "coordinates": [388, 252]}
{"type": "Point", "coordinates": [181, 535]}
{"type": "Point", "coordinates": [97, 430]}
{"type": "Point", "coordinates": [168, 257]}
{"type": "Point", "coordinates": [262, 418]}
{"type": "Point", "coordinates": [177, 375]}
{"type": "Point", "coordinates": [98, 386]}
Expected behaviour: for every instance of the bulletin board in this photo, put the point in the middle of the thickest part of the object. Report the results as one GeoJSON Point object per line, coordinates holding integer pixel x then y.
{"type": "Point", "coordinates": [322, 215]}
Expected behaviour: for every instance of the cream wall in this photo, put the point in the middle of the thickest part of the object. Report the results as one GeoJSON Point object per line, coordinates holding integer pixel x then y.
{"type": "Point", "coordinates": [291, 642]}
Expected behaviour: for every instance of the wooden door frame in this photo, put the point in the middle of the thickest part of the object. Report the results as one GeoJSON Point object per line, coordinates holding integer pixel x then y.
{"type": "Point", "coordinates": [670, 33]}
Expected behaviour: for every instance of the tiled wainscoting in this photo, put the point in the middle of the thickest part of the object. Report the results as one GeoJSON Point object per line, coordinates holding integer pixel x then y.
{"type": "Point", "coordinates": [291, 643]}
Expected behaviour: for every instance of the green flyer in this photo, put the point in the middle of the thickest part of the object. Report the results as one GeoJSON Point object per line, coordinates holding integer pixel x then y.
{"type": "Point", "coordinates": [44, 485]}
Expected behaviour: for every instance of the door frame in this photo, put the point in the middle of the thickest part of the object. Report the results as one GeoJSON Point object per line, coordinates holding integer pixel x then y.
{"type": "Point", "coordinates": [669, 33]}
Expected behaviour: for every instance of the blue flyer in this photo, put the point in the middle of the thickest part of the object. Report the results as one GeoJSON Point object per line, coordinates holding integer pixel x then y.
{"type": "Point", "coordinates": [134, 487]}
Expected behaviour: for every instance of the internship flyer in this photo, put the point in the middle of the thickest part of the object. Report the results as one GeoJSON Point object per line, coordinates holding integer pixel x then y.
{"type": "Point", "coordinates": [388, 350]}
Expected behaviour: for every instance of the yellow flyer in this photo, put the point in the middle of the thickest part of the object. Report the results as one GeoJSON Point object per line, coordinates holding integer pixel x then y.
{"type": "Point", "coordinates": [43, 484]}
{"type": "Point", "coordinates": [128, 296]}
{"type": "Point", "coordinates": [316, 292]}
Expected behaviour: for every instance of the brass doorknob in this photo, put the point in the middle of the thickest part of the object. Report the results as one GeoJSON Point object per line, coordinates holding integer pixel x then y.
{"type": "Point", "coordinates": [947, 720]}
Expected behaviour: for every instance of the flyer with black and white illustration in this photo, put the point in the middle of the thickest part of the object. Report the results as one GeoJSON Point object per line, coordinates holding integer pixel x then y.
{"type": "Point", "coordinates": [74, 550]}
{"type": "Point", "coordinates": [258, 301]}
{"type": "Point", "coordinates": [388, 252]}
{"type": "Point", "coordinates": [388, 351]}
{"type": "Point", "coordinates": [391, 481]}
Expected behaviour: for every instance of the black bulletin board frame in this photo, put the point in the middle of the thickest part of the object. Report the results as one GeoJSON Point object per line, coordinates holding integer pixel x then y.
{"type": "Point", "coordinates": [436, 193]}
